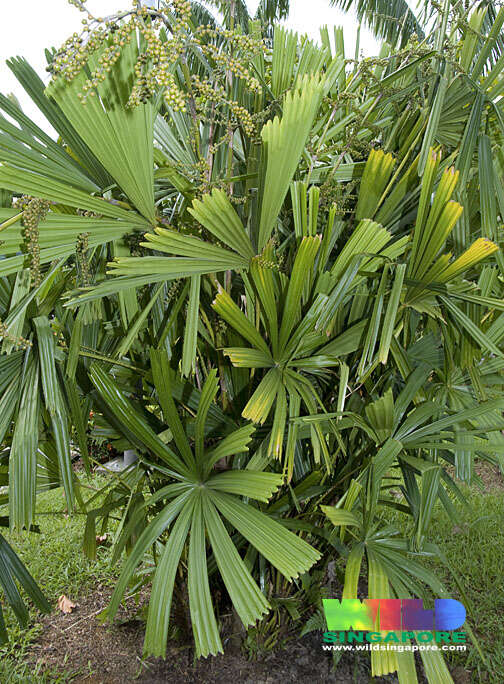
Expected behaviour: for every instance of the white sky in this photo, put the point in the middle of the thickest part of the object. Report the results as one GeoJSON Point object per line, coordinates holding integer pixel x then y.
{"type": "Point", "coordinates": [29, 26]}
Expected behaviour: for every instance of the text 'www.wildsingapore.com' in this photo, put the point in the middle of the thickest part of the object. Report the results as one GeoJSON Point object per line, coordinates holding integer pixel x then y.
{"type": "Point", "coordinates": [398, 648]}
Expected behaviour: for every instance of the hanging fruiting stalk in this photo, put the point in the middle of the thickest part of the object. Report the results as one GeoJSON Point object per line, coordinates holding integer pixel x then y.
{"type": "Point", "coordinates": [34, 211]}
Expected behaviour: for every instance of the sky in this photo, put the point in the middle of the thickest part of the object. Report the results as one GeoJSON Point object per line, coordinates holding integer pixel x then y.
{"type": "Point", "coordinates": [29, 26]}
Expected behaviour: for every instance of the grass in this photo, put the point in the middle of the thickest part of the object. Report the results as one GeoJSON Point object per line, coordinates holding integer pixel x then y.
{"type": "Point", "coordinates": [475, 550]}
{"type": "Point", "coordinates": [55, 559]}
{"type": "Point", "coordinates": [474, 547]}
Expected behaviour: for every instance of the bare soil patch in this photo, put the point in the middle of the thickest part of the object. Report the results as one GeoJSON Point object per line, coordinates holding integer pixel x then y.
{"type": "Point", "coordinates": [491, 476]}
{"type": "Point", "coordinates": [112, 654]}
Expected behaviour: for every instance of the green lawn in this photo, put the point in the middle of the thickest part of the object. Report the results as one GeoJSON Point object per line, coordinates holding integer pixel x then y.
{"type": "Point", "coordinates": [475, 548]}
{"type": "Point", "coordinates": [55, 559]}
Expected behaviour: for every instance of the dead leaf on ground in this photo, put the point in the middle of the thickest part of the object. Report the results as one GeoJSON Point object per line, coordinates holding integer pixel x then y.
{"type": "Point", "coordinates": [65, 604]}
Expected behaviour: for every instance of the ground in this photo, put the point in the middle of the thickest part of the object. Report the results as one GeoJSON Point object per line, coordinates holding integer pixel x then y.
{"type": "Point", "coordinates": [79, 647]}
{"type": "Point", "coordinates": [113, 654]}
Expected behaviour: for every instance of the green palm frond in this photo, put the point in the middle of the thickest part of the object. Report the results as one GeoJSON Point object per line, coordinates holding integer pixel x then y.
{"type": "Point", "coordinates": [198, 508]}
{"type": "Point", "coordinates": [393, 21]}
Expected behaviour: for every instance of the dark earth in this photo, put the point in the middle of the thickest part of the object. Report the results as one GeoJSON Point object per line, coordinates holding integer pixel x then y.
{"type": "Point", "coordinates": [112, 654]}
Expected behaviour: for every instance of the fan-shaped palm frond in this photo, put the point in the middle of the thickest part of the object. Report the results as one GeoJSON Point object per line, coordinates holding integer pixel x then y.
{"type": "Point", "coordinates": [391, 20]}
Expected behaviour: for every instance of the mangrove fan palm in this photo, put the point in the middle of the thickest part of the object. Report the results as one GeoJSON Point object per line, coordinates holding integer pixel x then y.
{"type": "Point", "coordinates": [274, 274]}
